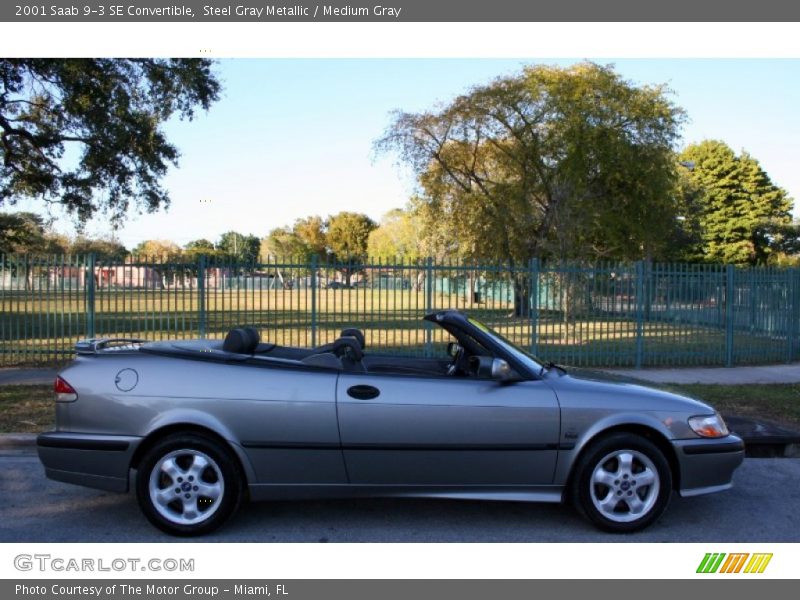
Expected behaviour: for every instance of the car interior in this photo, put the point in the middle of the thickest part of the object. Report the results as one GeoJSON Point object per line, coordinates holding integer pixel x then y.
{"type": "Point", "coordinates": [346, 353]}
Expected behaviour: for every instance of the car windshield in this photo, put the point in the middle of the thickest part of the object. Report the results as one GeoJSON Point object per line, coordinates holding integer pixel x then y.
{"type": "Point", "coordinates": [533, 362]}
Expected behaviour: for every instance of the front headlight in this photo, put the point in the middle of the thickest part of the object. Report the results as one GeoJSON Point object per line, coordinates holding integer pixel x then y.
{"type": "Point", "coordinates": [709, 426]}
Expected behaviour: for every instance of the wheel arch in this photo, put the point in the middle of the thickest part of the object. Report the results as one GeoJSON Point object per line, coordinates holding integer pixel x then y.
{"type": "Point", "coordinates": [158, 434]}
{"type": "Point", "coordinates": [649, 432]}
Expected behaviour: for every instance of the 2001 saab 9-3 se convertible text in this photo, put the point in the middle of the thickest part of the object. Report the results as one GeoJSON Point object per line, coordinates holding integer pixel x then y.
{"type": "Point", "coordinates": [197, 426]}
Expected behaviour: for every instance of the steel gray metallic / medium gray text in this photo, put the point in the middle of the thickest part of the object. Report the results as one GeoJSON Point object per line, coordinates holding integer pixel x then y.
{"type": "Point", "coordinates": [50, 563]}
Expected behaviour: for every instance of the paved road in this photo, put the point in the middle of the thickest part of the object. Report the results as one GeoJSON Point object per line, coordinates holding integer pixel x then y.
{"type": "Point", "coordinates": [763, 507]}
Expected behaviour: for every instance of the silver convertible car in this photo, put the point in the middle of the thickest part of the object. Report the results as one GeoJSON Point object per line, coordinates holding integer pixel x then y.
{"type": "Point", "coordinates": [196, 427]}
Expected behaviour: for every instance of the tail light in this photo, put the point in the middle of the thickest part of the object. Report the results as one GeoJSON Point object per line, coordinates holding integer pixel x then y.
{"type": "Point", "coordinates": [64, 391]}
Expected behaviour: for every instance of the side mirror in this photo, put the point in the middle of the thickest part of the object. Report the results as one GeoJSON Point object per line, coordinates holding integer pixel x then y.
{"type": "Point", "coordinates": [501, 370]}
{"type": "Point", "coordinates": [486, 367]}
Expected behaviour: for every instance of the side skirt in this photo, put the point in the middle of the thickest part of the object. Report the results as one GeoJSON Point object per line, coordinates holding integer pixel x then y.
{"type": "Point", "coordinates": [532, 493]}
{"type": "Point", "coordinates": [701, 491]}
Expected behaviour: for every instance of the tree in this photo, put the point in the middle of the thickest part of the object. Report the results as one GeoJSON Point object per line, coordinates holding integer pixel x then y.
{"type": "Point", "coordinates": [238, 247]}
{"type": "Point", "coordinates": [104, 249]}
{"type": "Point", "coordinates": [21, 233]}
{"type": "Point", "coordinates": [197, 248]}
{"type": "Point", "coordinates": [786, 244]}
{"type": "Point", "coordinates": [398, 235]}
{"type": "Point", "coordinates": [565, 163]}
{"type": "Point", "coordinates": [56, 243]}
{"type": "Point", "coordinates": [348, 235]}
{"type": "Point", "coordinates": [305, 239]}
{"type": "Point", "coordinates": [311, 231]}
{"type": "Point", "coordinates": [87, 133]}
{"type": "Point", "coordinates": [164, 250]}
{"type": "Point", "coordinates": [741, 214]}
{"type": "Point", "coordinates": [283, 243]}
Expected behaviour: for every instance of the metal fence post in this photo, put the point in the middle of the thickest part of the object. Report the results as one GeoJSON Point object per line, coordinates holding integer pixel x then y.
{"type": "Point", "coordinates": [314, 301]}
{"type": "Point", "coordinates": [793, 318]}
{"type": "Point", "coordinates": [533, 273]}
{"type": "Point", "coordinates": [201, 295]}
{"type": "Point", "coordinates": [729, 271]}
{"type": "Point", "coordinates": [428, 305]}
{"type": "Point", "coordinates": [639, 314]}
{"type": "Point", "coordinates": [90, 296]}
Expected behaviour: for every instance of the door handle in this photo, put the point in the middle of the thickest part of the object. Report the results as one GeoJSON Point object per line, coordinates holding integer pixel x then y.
{"type": "Point", "coordinates": [363, 392]}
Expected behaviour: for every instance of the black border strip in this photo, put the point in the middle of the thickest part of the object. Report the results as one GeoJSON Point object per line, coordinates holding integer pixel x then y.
{"type": "Point", "coordinates": [261, 445]}
{"type": "Point", "coordinates": [50, 441]}
{"type": "Point", "coordinates": [718, 448]}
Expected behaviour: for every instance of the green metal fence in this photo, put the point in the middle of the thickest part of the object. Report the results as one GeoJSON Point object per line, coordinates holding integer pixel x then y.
{"type": "Point", "coordinates": [611, 314]}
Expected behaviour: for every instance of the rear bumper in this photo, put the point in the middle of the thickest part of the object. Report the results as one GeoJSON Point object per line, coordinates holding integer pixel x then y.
{"type": "Point", "coordinates": [97, 461]}
{"type": "Point", "coordinates": [707, 465]}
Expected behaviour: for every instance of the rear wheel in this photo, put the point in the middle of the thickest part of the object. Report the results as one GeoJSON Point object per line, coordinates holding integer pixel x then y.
{"type": "Point", "coordinates": [623, 483]}
{"type": "Point", "coordinates": [188, 484]}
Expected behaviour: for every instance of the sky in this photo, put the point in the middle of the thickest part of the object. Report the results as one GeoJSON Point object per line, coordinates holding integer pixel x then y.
{"type": "Point", "coordinates": [294, 137]}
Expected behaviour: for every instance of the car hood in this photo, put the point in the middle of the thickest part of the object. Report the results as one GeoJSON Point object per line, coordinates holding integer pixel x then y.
{"type": "Point", "coordinates": [654, 396]}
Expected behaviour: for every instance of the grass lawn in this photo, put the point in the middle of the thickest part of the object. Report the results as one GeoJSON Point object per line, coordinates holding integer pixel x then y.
{"type": "Point", "coordinates": [777, 402]}
{"type": "Point", "coordinates": [29, 408]}
{"type": "Point", "coordinates": [26, 408]}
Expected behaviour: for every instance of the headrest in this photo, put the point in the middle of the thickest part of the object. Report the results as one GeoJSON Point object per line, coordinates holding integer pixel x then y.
{"type": "Point", "coordinates": [242, 340]}
{"type": "Point", "coordinates": [348, 346]}
{"type": "Point", "coordinates": [356, 333]}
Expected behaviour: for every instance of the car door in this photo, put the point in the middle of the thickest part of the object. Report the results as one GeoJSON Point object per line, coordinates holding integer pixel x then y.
{"type": "Point", "coordinates": [409, 430]}
{"type": "Point", "coordinates": [284, 419]}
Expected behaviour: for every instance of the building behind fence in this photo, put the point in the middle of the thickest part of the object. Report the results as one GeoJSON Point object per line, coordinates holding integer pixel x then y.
{"type": "Point", "coordinates": [632, 315]}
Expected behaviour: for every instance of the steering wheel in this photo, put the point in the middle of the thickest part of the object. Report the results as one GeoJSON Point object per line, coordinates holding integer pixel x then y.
{"type": "Point", "coordinates": [456, 366]}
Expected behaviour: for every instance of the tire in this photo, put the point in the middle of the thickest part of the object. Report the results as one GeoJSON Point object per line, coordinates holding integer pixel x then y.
{"type": "Point", "coordinates": [622, 483]}
{"type": "Point", "coordinates": [189, 484]}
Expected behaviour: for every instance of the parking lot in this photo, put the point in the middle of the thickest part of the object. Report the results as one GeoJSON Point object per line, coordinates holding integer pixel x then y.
{"type": "Point", "coordinates": [763, 507]}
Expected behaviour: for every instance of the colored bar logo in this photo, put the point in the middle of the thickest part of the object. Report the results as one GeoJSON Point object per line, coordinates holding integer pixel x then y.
{"type": "Point", "coordinates": [735, 562]}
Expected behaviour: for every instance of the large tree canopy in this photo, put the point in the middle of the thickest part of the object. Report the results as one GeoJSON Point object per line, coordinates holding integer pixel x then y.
{"type": "Point", "coordinates": [741, 215]}
{"type": "Point", "coordinates": [87, 133]}
{"type": "Point", "coordinates": [104, 249]}
{"type": "Point", "coordinates": [559, 162]}
{"type": "Point", "coordinates": [157, 250]}
{"type": "Point", "coordinates": [398, 236]}
{"type": "Point", "coordinates": [21, 232]}
{"type": "Point", "coordinates": [348, 235]}
{"type": "Point", "coordinates": [312, 234]}
{"type": "Point", "coordinates": [239, 247]}
{"type": "Point", "coordinates": [284, 243]}
{"type": "Point", "coordinates": [305, 239]}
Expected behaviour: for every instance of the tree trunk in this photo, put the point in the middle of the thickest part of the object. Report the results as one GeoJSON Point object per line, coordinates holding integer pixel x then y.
{"type": "Point", "coordinates": [565, 312]}
{"type": "Point", "coordinates": [522, 296]}
{"type": "Point", "coordinates": [419, 281]}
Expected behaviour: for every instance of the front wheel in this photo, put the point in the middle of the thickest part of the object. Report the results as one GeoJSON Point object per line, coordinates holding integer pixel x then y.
{"type": "Point", "coordinates": [188, 485]}
{"type": "Point", "coordinates": [623, 483]}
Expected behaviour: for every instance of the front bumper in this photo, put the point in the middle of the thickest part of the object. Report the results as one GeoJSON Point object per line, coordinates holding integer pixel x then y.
{"type": "Point", "coordinates": [707, 465]}
{"type": "Point", "coordinates": [97, 461]}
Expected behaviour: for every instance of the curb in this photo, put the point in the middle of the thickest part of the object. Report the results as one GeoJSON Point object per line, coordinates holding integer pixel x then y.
{"type": "Point", "coordinates": [771, 449]}
{"type": "Point", "coordinates": [17, 440]}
